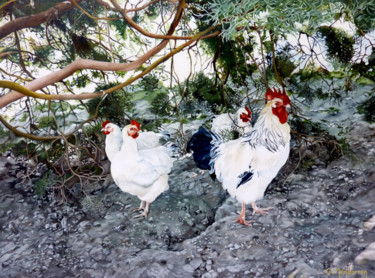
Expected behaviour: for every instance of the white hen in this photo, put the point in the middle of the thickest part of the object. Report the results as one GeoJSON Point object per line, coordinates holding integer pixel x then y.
{"type": "Point", "coordinates": [143, 173]}
{"type": "Point", "coordinates": [145, 140]}
{"type": "Point", "coordinates": [226, 122]}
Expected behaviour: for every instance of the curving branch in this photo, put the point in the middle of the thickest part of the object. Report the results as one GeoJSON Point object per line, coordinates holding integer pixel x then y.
{"type": "Point", "coordinates": [81, 64]}
{"type": "Point", "coordinates": [24, 134]}
{"type": "Point", "coordinates": [21, 91]}
{"type": "Point", "coordinates": [36, 19]}
{"type": "Point", "coordinates": [24, 91]}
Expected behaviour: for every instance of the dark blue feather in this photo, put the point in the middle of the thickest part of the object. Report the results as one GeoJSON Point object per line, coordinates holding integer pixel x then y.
{"type": "Point", "coordinates": [200, 144]}
{"type": "Point", "coordinates": [245, 177]}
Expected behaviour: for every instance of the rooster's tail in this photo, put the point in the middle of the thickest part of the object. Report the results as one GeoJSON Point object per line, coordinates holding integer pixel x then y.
{"type": "Point", "coordinates": [201, 143]}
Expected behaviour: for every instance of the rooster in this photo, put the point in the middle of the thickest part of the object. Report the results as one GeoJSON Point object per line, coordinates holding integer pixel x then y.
{"type": "Point", "coordinates": [247, 165]}
{"type": "Point", "coordinates": [143, 173]}
{"type": "Point", "coordinates": [240, 122]}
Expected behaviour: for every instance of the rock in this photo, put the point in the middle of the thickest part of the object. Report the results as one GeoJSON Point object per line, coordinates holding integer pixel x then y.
{"type": "Point", "coordinates": [369, 224]}
{"type": "Point", "coordinates": [367, 255]}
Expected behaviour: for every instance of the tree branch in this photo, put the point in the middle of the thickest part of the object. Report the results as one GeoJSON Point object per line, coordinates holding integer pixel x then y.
{"type": "Point", "coordinates": [80, 64]}
{"type": "Point", "coordinates": [21, 91]}
{"type": "Point", "coordinates": [130, 21]}
{"type": "Point", "coordinates": [36, 19]}
{"type": "Point", "coordinates": [24, 134]}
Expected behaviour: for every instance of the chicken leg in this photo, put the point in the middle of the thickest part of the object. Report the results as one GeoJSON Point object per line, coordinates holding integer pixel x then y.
{"type": "Point", "coordinates": [241, 218]}
{"type": "Point", "coordinates": [145, 206]}
{"type": "Point", "coordinates": [141, 206]}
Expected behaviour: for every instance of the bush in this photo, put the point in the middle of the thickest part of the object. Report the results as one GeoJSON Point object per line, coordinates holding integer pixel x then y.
{"type": "Point", "coordinates": [160, 105]}
{"type": "Point", "coordinates": [367, 108]}
{"type": "Point", "coordinates": [113, 107]}
{"type": "Point", "coordinates": [340, 45]}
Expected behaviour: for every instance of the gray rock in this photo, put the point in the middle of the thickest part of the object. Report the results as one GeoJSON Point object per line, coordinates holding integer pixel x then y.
{"type": "Point", "coordinates": [319, 221]}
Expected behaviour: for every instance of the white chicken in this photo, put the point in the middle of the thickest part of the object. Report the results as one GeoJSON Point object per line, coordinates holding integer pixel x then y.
{"type": "Point", "coordinates": [113, 140]}
{"type": "Point", "coordinates": [145, 140]}
{"type": "Point", "coordinates": [143, 173]}
{"type": "Point", "coordinates": [247, 165]}
{"type": "Point", "coordinates": [227, 122]}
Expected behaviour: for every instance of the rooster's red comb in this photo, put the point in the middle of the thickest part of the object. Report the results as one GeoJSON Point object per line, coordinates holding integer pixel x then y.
{"type": "Point", "coordinates": [105, 123]}
{"type": "Point", "coordinates": [134, 122]}
{"type": "Point", "coordinates": [277, 93]}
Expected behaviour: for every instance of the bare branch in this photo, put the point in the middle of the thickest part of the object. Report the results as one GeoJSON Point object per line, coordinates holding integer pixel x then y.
{"type": "Point", "coordinates": [20, 91]}
{"type": "Point", "coordinates": [36, 19]}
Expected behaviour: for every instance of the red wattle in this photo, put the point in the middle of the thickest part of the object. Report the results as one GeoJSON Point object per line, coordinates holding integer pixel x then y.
{"type": "Point", "coordinates": [281, 113]}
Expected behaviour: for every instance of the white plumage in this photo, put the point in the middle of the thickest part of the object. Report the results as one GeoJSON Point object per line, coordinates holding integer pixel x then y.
{"type": "Point", "coordinates": [251, 154]}
{"type": "Point", "coordinates": [145, 140]}
{"type": "Point", "coordinates": [149, 140]}
{"type": "Point", "coordinates": [113, 140]}
{"type": "Point", "coordinates": [241, 122]}
{"type": "Point", "coordinates": [143, 173]}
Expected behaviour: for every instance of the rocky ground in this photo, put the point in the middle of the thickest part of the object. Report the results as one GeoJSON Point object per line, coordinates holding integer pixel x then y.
{"type": "Point", "coordinates": [322, 225]}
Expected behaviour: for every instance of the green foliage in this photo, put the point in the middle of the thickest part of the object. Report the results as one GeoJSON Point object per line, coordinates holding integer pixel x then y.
{"type": "Point", "coordinates": [231, 56]}
{"type": "Point", "coordinates": [340, 45]}
{"type": "Point", "coordinates": [44, 183]}
{"type": "Point", "coordinates": [279, 16]}
{"type": "Point", "coordinates": [284, 63]}
{"type": "Point", "coordinates": [120, 25]}
{"type": "Point", "coordinates": [80, 81]}
{"type": "Point", "coordinates": [113, 107]}
{"type": "Point", "coordinates": [203, 88]}
{"type": "Point", "coordinates": [217, 96]}
{"type": "Point", "coordinates": [28, 7]}
{"type": "Point", "coordinates": [160, 105]}
{"type": "Point", "coordinates": [45, 122]}
{"type": "Point", "coordinates": [149, 82]}
{"type": "Point", "coordinates": [285, 67]}
{"type": "Point", "coordinates": [363, 13]}
{"type": "Point", "coordinates": [42, 53]}
{"type": "Point", "coordinates": [366, 70]}
{"type": "Point", "coordinates": [367, 108]}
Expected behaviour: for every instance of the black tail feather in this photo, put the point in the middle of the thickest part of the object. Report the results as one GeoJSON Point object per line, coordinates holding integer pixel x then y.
{"type": "Point", "coordinates": [200, 144]}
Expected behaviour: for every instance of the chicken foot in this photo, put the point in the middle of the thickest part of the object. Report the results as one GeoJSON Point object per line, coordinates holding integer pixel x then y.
{"type": "Point", "coordinates": [256, 209]}
{"type": "Point", "coordinates": [145, 207]}
{"type": "Point", "coordinates": [241, 218]}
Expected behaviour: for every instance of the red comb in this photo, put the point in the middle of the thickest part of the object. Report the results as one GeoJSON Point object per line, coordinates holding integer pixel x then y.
{"type": "Point", "coordinates": [248, 111]}
{"type": "Point", "coordinates": [246, 117]}
{"type": "Point", "coordinates": [134, 122]}
{"type": "Point", "coordinates": [105, 123]}
{"type": "Point", "coordinates": [277, 93]}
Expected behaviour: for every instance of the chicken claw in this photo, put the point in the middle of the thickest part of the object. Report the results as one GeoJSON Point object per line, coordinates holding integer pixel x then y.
{"type": "Point", "coordinates": [141, 207]}
{"type": "Point", "coordinates": [241, 218]}
{"type": "Point", "coordinates": [145, 206]}
{"type": "Point", "coordinates": [263, 211]}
